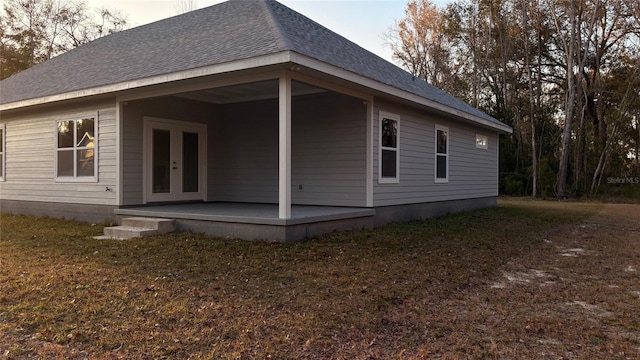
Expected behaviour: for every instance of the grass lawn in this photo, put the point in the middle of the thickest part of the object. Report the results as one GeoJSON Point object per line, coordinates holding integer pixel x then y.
{"type": "Point", "coordinates": [529, 279]}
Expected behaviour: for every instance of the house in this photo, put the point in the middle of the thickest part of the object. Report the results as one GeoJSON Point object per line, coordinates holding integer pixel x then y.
{"type": "Point", "coordinates": [243, 119]}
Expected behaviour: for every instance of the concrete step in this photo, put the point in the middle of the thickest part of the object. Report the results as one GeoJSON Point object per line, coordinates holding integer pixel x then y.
{"type": "Point", "coordinates": [162, 226]}
{"type": "Point", "coordinates": [136, 227]}
{"type": "Point", "coordinates": [127, 232]}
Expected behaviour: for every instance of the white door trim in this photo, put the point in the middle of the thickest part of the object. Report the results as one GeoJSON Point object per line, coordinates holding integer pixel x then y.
{"type": "Point", "coordinates": [148, 195]}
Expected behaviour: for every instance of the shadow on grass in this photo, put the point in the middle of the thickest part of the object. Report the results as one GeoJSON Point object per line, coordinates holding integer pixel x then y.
{"type": "Point", "coordinates": [181, 294]}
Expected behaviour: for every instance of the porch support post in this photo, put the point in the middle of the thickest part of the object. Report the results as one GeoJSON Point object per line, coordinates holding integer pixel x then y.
{"type": "Point", "coordinates": [369, 156]}
{"type": "Point", "coordinates": [119, 155]}
{"type": "Point", "coordinates": [284, 153]}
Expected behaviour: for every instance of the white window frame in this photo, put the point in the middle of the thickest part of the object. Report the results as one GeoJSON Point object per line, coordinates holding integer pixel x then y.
{"type": "Point", "coordinates": [388, 180]}
{"type": "Point", "coordinates": [436, 179]}
{"type": "Point", "coordinates": [482, 142]}
{"type": "Point", "coordinates": [3, 154]}
{"type": "Point", "coordinates": [76, 178]}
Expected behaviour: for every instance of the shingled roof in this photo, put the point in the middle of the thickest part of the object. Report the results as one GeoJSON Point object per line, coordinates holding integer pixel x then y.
{"type": "Point", "coordinates": [222, 33]}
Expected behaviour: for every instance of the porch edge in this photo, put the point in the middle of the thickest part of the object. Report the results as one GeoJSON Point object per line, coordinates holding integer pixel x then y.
{"type": "Point", "coordinates": [364, 212]}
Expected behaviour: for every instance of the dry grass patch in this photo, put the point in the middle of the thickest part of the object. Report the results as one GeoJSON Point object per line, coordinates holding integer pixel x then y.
{"type": "Point", "coordinates": [422, 289]}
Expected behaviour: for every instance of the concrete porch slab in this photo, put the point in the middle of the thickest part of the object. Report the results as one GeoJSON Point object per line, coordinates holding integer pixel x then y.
{"type": "Point", "coordinates": [247, 213]}
{"type": "Point", "coordinates": [256, 221]}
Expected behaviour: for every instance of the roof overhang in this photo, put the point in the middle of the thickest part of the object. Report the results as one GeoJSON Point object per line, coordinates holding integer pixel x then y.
{"type": "Point", "coordinates": [284, 57]}
{"type": "Point", "coordinates": [255, 62]}
{"type": "Point", "coordinates": [393, 91]}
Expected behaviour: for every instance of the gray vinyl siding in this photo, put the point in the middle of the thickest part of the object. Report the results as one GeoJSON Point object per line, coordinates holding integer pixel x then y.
{"type": "Point", "coordinates": [171, 108]}
{"type": "Point", "coordinates": [31, 151]}
{"type": "Point", "coordinates": [328, 141]}
{"type": "Point", "coordinates": [245, 157]}
{"type": "Point", "coordinates": [329, 144]}
{"type": "Point", "coordinates": [328, 148]}
{"type": "Point", "coordinates": [472, 171]}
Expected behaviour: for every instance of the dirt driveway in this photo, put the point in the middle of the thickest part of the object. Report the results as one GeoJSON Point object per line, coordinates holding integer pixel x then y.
{"type": "Point", "coordinates": [578, 297]}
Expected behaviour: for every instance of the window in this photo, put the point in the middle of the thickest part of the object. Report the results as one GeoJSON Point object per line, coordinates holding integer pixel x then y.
{"type": "Point", "coordinates": [389, 157]}
{"type": "Point", "coordinates": [442, 154]}
{"type": "Point", "coordinates": [2, 151]}
{"type": "Point", "coordinates": [76, 149]}
{"type": "Point", "coordinates": [482, 142]}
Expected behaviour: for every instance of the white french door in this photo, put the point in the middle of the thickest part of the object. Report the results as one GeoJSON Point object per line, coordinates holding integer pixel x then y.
{"type": "Point", "coordinates": [175, 160]}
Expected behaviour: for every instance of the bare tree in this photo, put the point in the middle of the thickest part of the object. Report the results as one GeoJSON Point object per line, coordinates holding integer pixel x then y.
{"type": "Point", "coordinates": [419, 44]}
{"type": "Point", "coordinates": [569, 43]}
{"type": "Point", "coordinates": [626, 111]}
{"type": "Point", "coordinates": [184, 6]}
{"type": "Point", "coordinates": [532, 101]}
{"type": "Point", "coordinates": [557, 71]}
{"type": "Point", "coordinates": [36, 30]}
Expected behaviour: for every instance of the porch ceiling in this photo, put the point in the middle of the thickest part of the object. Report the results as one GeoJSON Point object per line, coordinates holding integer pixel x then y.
{"type": "Point", "coordinates": [248, 92]}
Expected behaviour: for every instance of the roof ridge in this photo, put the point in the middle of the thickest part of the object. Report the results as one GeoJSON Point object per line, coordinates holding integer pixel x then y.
{"type": "Point", "coordinates": [279, 33]}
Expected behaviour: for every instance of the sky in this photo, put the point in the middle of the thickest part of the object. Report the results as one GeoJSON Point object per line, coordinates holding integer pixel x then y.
{"type": "Point", "coordinates": [364, 22]}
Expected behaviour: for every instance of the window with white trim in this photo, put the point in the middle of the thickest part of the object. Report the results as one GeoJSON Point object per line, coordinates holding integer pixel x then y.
{"type": "Point", "coordinates": [442, 154]}
{"type": "Point", "coordinates": [389, 156]}
{"type": "Point", "coordinates": [482, 142]}
{"type": "Point", "coordinates": [2, 151]}
{"type": "Point", "coordinates": [76, 149]}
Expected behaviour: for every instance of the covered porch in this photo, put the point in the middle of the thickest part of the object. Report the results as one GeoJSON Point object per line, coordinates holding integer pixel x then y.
{"type": "Point", "coordinates": [277, 155]}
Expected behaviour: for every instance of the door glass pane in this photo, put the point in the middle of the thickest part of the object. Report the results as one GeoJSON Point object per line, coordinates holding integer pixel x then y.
{"type": "Point", "coordinates": [161, 164]}
{"type": "Point", "coordinates": [65, 163]}
{"type": "Point", "coordinates": [189, 162]}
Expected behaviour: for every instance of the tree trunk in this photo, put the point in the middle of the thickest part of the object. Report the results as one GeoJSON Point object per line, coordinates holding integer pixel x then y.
{"type": "Point", "coordinates": [569, 105]}
{"type": "Point", "coordinates": [580, 165]}
{"type": "Point", "coordinates": [539, 102]}
{"type": "Point", "coordinates": [532, 109]}
{"type": "Point", "coordinates": [597, 175]}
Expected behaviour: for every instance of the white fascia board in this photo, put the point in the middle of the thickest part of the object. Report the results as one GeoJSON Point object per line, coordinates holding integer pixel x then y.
{"type": "Point", "coordinates": [376, 85]}
{"type": "Point", "coordinates": [265, 60]}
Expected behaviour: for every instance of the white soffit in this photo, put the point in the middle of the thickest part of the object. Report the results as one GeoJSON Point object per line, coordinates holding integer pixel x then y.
{"type": "Point", "coordinates": [252, 91]}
